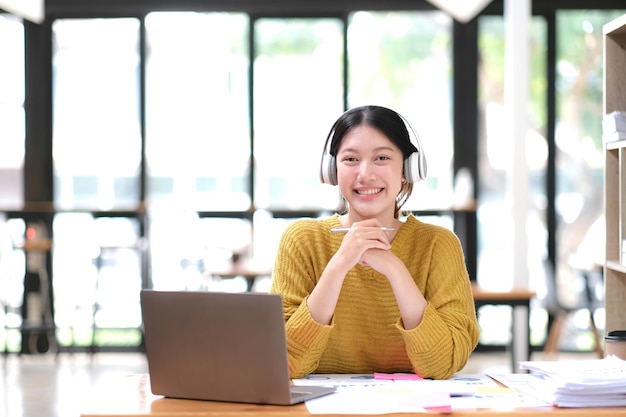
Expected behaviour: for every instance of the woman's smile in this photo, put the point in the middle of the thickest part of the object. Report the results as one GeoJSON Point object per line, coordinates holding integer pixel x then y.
{"type": "Point", "coordinates": [369, 191]}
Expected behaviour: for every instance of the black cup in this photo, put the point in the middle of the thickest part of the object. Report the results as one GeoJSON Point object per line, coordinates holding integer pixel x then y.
{"type": "Point", "coordinates": [615, 344]}
{"type": "Point", "coordinates": [616, 336]}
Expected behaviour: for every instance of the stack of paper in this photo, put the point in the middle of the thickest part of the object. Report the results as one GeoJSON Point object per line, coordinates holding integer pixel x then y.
{"type": "Point", "coordinates": [614, 126]}
{"type": "Point", "coordinates": [585, 383]}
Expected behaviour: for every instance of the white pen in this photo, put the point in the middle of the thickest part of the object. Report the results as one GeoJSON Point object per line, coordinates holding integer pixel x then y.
{"type": "Point", "coordinates": [347, 229]}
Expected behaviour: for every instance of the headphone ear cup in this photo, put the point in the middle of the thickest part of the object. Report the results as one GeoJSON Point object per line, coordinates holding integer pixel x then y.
{"type": "Point", "coordinates": [328, 169]}
{"type": "Point", "coordinates": [415, 164]}
{"type": "Point", "coordinates": [415, 167]}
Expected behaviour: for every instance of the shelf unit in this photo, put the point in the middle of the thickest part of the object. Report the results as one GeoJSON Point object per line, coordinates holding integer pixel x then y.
{"type": "Point", "coordinates": [615, 176]}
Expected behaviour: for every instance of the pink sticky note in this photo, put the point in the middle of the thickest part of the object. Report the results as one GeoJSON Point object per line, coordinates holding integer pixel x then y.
{"type": "Point", "coordinates": [397, 377]}
{"type": "Point", "coordinates": [436, 402]}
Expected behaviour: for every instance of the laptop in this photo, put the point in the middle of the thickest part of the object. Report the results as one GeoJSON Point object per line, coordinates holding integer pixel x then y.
{"type": "Point", "coordinates": [219, 346]}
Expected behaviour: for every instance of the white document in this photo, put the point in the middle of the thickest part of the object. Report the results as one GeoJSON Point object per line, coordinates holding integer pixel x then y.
{"type": "Point", "coordinates": [458, 385]}
{"type": "Point", "coordinates": [366, 394]}
{"type": "Point", "coordinates": [378, 400]}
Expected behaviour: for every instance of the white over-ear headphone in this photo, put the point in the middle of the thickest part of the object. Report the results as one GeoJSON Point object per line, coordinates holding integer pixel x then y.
{"type": "Point", "coordinates": [414, 164]}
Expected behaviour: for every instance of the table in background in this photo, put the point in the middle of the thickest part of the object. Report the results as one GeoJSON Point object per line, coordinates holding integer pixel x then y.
{"type": "Point", "coordinates": [132, 397]}
{"type": "Point", "coordinates": [247, 270]}
{"type": "Point", "coordinates": [516, 297]}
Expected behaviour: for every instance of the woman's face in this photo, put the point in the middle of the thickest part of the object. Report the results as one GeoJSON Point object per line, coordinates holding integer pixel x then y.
{"type": "Point", "coordinates": [369, 173]}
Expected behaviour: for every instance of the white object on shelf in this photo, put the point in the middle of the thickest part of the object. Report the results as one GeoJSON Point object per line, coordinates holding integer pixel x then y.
{"type": "Point", "coordinates": [614, 126]}
{"type": "Point", "coordinates": [614, 122]}
{"type": "Point", "coordinates": [614, 136]}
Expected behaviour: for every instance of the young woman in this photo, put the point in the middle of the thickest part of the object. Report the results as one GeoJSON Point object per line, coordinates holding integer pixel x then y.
{"type": "Point", "coordinates": [384, 295]}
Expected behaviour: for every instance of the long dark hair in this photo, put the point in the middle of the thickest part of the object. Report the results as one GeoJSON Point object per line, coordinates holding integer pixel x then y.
{"type": "Point", "coordinates": [390, 123]}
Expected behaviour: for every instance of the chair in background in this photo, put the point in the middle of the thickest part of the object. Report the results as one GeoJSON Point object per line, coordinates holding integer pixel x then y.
{"type": "Point", "coordinates": [516, 297]}
{"type": "Point", "coordinates": [588, 298]}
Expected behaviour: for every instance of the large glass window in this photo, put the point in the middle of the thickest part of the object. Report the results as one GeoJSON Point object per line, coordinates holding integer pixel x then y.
{"type": "Point", "coordinates": [97, 278]}
{"type": "Point", "coordinates": [12, 120]}
{"type": "Point", "coordinates": [403, 60]}
{"type": "Point", "coordinates": [495, 155]}
{"type": "Point", "coordinates": [235, 131]}
{"type": "Point", "coordinates": [96, 125]}
{"type": "Point", "coordinates": [12, 135]}
{"type": "Point", "coordinates": [97, 158]}
{"type": "Point", "coordinates": [579, 168]}
{"type": "Point", "coordinates": [197, 141]}
{"type": "Point", "coordinates": [298, 93]}
{"type": "Point", "coordinates": [580, 161]}
{"type": "Point", "coordinates": [197, 118]}
{"type": "Point", "coordinates": [495, 216]}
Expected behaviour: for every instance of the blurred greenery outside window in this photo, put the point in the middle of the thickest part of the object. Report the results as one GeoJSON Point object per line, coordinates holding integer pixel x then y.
{"type": "Point", "coordinates": [579, 160]}
{"type": "Point", "coordinates": [495, 151]}
{"type": "Point", "coordinates": [96, 131]}
{"type": "Point", "coordinates": [197, 119]}
{"type": "Point", "coordinates": [198, 140]}
{"type": "Point", "coordinates": [403, 60]}
{"type": "Point", "coordinates": [494, 215]}
{"type": "Point", "coordinates": [96, 159]}
{"type": "Point", "coordinates": [298, 68]}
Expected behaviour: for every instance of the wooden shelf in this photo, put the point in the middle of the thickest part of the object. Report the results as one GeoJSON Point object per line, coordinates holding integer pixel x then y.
{"type": "Point", "coordinates": [611, 146]}
{"type": "Point", "coordinates": [616, 266]}
{"type": "Point", "coordinates": [615, 176]}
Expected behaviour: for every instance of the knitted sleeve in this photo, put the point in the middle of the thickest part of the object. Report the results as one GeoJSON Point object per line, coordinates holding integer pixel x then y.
{"type": "Point", "coordinates": [442, 343]}
{"type": "Point", "coordinates": [300, 260]}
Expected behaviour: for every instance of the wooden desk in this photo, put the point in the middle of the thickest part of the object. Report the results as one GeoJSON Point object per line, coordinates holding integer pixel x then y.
{"type": "Point", "coordinates": [132, 397]}
{"type": "Point", "coordinates": [242, 269]}
{"type": "Point", "coordinates": [517, 297]}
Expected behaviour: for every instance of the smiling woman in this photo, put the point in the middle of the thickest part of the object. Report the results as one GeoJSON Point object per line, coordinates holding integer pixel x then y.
{"type": "Point", "coordinates": [388, 295]}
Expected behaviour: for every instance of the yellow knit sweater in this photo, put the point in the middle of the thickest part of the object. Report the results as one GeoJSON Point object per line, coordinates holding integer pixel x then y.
{"type": "Point", "coordinates": [366, 333]}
